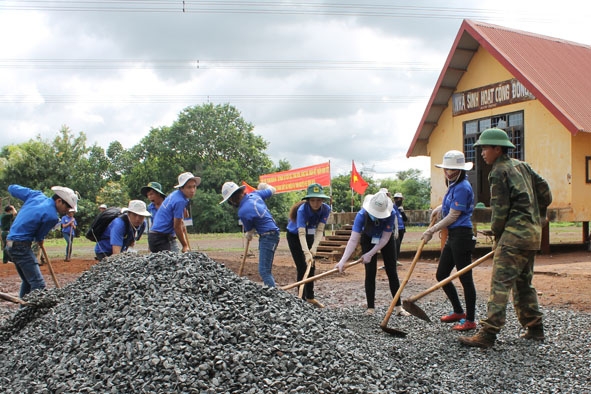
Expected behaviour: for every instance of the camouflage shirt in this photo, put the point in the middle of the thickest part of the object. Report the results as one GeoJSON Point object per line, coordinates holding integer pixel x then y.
{"type": "Point", "coordinates": [518, 199]}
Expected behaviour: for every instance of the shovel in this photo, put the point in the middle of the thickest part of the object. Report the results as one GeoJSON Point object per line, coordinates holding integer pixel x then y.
{"type": "Point", "coordinates": [243, 258]}
{"type": "Point", "coordinates": [10, 298]}
{"type": "Point", "coordinates": [412, 308]}
{"type": "Point", "coordinates": [384, 325]}
{"type": "Point", "coordinates": [301, 290]}
{"type": "Point", "coordinates": [50, 267]}
{"type": "Point", "coordinates": [322, 275]}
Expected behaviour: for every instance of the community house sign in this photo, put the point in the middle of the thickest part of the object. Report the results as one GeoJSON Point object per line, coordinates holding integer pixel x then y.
{"type": "Point", "coordinates": [490, 96]}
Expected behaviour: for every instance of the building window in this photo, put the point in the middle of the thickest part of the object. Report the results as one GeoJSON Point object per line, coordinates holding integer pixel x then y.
{"type": "Point", "coordinates": [513, 124]}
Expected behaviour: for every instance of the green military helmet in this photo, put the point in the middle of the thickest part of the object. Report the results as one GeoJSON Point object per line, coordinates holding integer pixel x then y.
{"type": "Point", "coordinates": [494, 137]}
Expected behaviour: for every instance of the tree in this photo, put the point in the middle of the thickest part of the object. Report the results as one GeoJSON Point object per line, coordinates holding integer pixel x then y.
{"type": "Point", "coordinates": [64, 161]}
{"type": "Point", "coordinates": [341, 193]}
{"type": "Point", "coordinates": [211, 141]}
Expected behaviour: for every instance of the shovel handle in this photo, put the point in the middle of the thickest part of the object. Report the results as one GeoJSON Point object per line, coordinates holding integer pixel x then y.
{"type": "Point", "coordinates": [308, 268]}
{"type": "Point", "coordinates": [322, 275]}
{"type": "Point", "coordinates": [405, 281]}
{"type": "Point", "coordinates": [452, 277]}
{"type": "Point", "coordinates": [10, 298]}
{"type": "Point", "coordinates": [243, 258]}
{"type": "Point", "coordinates": [50, 266]}
{"type": "Point", "coordinates": [186, 236]}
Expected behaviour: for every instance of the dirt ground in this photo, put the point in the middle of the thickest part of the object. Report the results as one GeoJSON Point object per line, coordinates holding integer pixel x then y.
{"type": "Point", "coordinates": [562, 279]}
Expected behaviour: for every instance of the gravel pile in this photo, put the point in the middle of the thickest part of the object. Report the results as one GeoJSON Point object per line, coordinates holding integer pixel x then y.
{"type": "Point", "coordinates": [167, 323]}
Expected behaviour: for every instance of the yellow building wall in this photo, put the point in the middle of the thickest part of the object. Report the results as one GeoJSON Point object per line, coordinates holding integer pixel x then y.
{"type": "Point", "coordinates": [581, 190]}
{"type": "Point", "coordinates": [549, 148]}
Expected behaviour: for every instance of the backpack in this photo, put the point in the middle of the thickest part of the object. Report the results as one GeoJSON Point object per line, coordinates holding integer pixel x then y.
{"type": "Point", "coordinates": [101, 222]}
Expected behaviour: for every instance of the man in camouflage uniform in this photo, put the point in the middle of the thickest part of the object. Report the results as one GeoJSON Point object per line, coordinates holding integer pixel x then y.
{"type": "Point", "coordinates": [519, 198]}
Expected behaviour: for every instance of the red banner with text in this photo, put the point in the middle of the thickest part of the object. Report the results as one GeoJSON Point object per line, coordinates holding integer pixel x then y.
{"type": "Point", "coordinates": [298, 178]}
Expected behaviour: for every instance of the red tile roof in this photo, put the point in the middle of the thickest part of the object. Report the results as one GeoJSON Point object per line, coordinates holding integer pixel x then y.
{"type": "Point", "coordinates": [557, 72]}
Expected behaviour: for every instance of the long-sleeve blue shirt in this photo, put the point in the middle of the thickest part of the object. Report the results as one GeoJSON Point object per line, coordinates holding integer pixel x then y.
{"type": "Point", "coordinates": [254, 212]}
{"type": "Point", "coordinates": [37, 216]}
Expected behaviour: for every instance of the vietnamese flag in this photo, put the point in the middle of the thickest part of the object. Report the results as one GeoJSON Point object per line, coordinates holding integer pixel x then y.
{"type": "Point", "coordinates": [357, 183]}
{"type": "Point", "coordinates": [247, 188]}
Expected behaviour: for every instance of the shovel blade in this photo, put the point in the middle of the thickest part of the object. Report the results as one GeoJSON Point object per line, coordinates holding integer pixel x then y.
{"type": "Point", "coordinates": [415, 310]}
{"type": "Point", "coordinates": [394, 332]}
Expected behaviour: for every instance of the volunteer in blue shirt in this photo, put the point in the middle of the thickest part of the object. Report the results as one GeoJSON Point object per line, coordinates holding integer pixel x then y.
{"type": "Point", "coordinates": [69, 225]}
{"type": "Point", "coordinates": [170, 218]}
{"type": "Point", "coordinates": [374, 226]}
{"type": "Point", "coordinates": [402, 219]}
{"type": "Point", "coordinates": [38, 215]}
{"type": "Point", "coordinates": [153, 192]}
{"type": "Point", "coordinates": [455, 214]}
{"type": "Point", "coordinates": [255, 217]}
{"type": "Point", "coordinates": [123, 231]}
{"type": "Point", "coordinates": [305, 229]}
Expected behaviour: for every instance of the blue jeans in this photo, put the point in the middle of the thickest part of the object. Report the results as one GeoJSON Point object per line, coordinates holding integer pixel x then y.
{"type": "Point", "coordinates": [27, 267]}
{"type": "Point", "coordinates": [68, 245]}
{"type": "Point", "coordinates": [267, 246]}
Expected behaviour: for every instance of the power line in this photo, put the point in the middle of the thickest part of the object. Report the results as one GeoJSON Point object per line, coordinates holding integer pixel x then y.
{"type": "Point", "coordinates": [259, 8]}
{"type": "Point", "coordinates": [197, 64]}
{"type": "Point", "coordinates": [159, 98]}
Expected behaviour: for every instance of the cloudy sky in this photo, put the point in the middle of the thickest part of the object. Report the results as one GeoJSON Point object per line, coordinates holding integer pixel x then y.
{"type": "Point", "coordinates": [319, 80]}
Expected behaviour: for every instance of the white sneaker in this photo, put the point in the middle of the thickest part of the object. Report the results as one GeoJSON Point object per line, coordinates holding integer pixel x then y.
{"type": "Point", "coordinates": [400, 311]}
{"type": "Point", "coordinates": [370, 311]}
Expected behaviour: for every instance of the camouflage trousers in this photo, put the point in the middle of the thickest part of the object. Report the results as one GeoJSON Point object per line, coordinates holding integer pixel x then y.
{"type": "Point", "coordinates": [513, 270]}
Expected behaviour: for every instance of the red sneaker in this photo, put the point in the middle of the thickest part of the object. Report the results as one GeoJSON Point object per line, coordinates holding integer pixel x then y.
{"type": "Point", "coordinates": [453, 317]}
{"type": "Point", "coordinates": [464, 325]}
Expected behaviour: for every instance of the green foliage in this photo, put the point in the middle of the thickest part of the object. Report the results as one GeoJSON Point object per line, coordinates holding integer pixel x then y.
{"type": "Point", "coordinates": [65, 161]}
{"type": "Point", "coordinates": [415, 189]}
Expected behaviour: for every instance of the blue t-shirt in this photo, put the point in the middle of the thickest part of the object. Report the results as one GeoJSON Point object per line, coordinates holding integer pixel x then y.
{"type": "Point", "coordinates": [399, 218]}
{"type": "Point", "coordinates": [152, 209]}
{"type": "Point", "coordinates": [36, 218]}
{"type": "Point", "coordinates": [253, 212]}
{"type": "Point", "coordinates": [65, 220]}
{"type": "Point", "coordinates": [459, 196]}
{"type": "Point", "coordinates": [307, 218]}
{"type": "Point", "coordinates": [173, 207]}
{"type": "Point", "coordinates": [119, 233]}
{"type": "Point", "coordinates": [364, 224]}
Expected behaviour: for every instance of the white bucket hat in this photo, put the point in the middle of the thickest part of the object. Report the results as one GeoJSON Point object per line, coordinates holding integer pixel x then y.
{"type": "Point", "coordinates": [138, 207]}
{"type": "Point", "coordinates": [186, 177]}
{"type": "Point", "coordinates": [228, 189]}
{"type": "Point", "coordinates": [68, 195]}
{"type": "Point", "coordinates": [398, 195]}
{"type": "Point", "coordinates": [455, 160]}
{"type": "Point", "coordinates": [378, 205]}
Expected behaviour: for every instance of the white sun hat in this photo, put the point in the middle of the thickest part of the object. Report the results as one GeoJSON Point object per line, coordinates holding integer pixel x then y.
{"type": "Point", "coordinates": [228, 189]}
{"type": "Point", "coordinates": [186, 177]}
{"type": "Point", "coordinates": [455, 160]}
{"type": "Point", "coordinates": [68, 195]}
{"type": "Point", "coordinates": [138, 207]}
{"type": "Point", "coordinates": [378, 205]}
